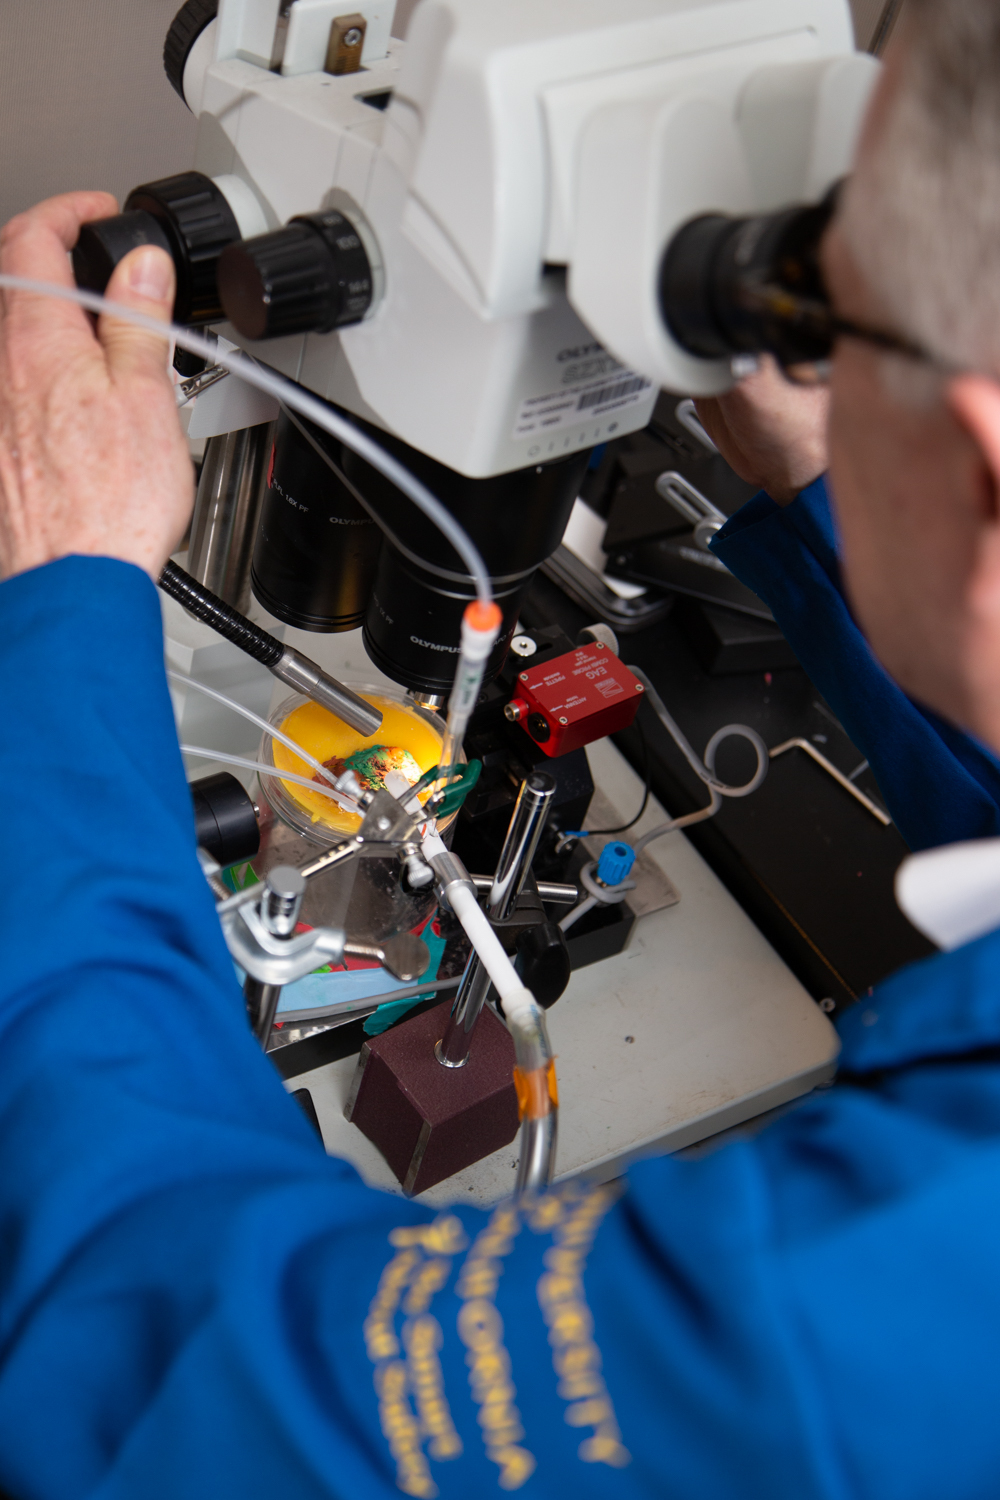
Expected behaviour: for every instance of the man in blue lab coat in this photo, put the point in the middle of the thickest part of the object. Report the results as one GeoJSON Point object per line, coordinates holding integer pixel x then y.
{"type": "Point", "coordinates": [196, 1301]}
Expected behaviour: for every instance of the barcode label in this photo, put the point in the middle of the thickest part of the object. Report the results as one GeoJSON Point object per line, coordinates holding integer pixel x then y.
{"type": "Point", "coordinates": [609, 390]}
{"type": "Point", "coordinates": [612, 392]}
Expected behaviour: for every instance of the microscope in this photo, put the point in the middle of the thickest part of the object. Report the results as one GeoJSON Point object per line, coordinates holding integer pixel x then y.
{"type": "Point", "coordinates": [489, 247]}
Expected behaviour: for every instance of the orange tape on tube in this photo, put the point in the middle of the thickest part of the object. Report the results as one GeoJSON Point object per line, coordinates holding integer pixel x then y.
{"type": "Point", "coordinates": [537, 1093]}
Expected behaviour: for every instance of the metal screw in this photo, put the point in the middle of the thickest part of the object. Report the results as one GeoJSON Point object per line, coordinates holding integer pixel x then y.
{"type": "Point", "coordinates": [563, 720]}
{"type": "Point", "coordinates": [828, 1006]}
{"type": "Point", "coordinates": [281, 899]}
{"type": "Point", "coordinates": [639, 687]}
{"type": "Point", "coordinates": [523, 645]}
{"type": "Point", "coordinates": [383, 824]}
{"type": "Point", "coordinates": [352, 37]}
{"type": "Point", "coordinates": [523, 677]}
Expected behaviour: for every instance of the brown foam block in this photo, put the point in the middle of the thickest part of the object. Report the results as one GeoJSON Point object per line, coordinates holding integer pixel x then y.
{"type": "Point", "coordinates": [429, 1121]}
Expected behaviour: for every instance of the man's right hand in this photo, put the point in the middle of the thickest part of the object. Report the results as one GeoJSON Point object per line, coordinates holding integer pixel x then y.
{"type": "Point", "coordinates": [773, 433]}
{"type": "Point", "coordinates": [92, 456]}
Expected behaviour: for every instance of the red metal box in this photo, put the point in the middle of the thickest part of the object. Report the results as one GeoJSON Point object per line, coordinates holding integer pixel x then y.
{"type": "Point", "coordinates": [575, 699]}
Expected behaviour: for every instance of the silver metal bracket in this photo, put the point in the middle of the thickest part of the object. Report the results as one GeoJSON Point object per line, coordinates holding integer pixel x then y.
{"type": "Point", "coordinates": [275, 960]}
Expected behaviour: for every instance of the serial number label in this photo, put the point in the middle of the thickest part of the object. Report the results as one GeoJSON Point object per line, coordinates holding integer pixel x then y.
{"type": "Point", "coordinates": [611, 390]}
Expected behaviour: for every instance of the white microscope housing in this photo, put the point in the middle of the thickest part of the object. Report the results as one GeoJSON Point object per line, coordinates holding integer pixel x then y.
{"type": "Point", "coordinates": [514, 172]}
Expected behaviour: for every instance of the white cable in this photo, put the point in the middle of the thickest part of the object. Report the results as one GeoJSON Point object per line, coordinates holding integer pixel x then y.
{"type": "Point", "coordinates": [618, 892]}
{"type": "Point", "coordinates": [705, 769]}
{"type": "Point", "coordinates": [484, 940]}
{"type": "Point", "coordinates": [685, 822]}
{"type": "Point", "coordinates": [248, 713]}
{"type": "Point", "coordinates": [578, 911]}
{"type": "Point", "coordinates": [291, 395]}
{"type": "Point", "coordinates": [262, 770]}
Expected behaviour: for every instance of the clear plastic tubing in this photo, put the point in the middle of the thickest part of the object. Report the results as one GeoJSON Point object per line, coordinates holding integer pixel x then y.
{"type": "Point", "coordinates": [225, 758]}
{"type": "Point", "coordinates": [291, 395]}
{"type": "Point", "coordinates": [248, 713]}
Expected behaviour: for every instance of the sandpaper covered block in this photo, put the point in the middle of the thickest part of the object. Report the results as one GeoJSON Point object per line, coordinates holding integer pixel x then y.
{"type": "Point", "coordinates": [429, 1121]}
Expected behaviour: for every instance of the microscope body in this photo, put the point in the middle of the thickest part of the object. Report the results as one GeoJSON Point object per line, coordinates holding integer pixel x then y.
{"type": "Point", "coordinates": [514, 172]}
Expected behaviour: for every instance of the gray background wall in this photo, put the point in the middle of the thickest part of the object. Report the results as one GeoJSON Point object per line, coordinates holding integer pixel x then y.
{"type": "Point", "coordinates": [84, 102]}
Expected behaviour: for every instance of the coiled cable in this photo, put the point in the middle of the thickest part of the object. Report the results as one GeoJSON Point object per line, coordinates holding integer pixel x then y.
{"type": "Point", "coordinates": [704, 769]}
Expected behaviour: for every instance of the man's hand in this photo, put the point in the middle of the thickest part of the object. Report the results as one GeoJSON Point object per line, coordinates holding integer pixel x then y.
{"type": "Point", "coordinates": [771, 432]}
{"type": "Point", "coordinates": [92, 457]}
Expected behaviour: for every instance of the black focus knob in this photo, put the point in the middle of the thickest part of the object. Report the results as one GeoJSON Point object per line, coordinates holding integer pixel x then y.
{"type": "Point", "coordinates": [185, 29]}
{"type": "Point", "coordinates": [187, 216]}
{"type": "Point", "coordinates": [311, 277]}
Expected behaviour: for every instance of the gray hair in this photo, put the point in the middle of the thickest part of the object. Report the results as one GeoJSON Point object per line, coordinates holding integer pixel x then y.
{"type": "Point", "coordinates": [922, 210]}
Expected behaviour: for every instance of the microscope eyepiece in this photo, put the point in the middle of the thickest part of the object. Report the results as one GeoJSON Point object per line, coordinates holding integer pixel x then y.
{"type": "Point", "coordinates": [312, 276]}
{"type": "Point", "coordinates": [749, 285]}
{"type": "Point", "coordinates": [189, 217]}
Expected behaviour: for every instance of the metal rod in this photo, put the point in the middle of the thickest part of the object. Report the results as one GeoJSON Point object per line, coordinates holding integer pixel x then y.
{"type": "Point", "coordinates": [280, 905]}
{"type": "Point", "coordinates": [548, 890]}
{"type": "Point", "coordinates": [530, 811]}
{"type": "Point", "coordinates": [226, 512]}
{"type": "Point", "coordinates": [838, 776]}
{"type": "Point", "coordinates": [452, 1051]}
{"type": "Point", "coordinates": [262, 1006]}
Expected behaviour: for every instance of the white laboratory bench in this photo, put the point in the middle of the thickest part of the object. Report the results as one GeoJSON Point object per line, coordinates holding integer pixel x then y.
{"type": "Point", "coordinates": [697, 1026]}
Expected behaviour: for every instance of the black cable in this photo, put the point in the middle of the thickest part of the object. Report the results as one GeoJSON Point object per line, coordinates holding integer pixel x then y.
{"type": "Point", "coordinates": [211, 610]}
{"type": "Point", "coordinates": [645, 798]}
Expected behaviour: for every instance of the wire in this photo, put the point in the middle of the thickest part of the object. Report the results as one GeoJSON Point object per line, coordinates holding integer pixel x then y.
{"type": "Point", "coordinates": [290, 395]}
{"type": "Point", "coordinates": [623, 827]}
{"type": "Point", "coordinates": [704, 769]}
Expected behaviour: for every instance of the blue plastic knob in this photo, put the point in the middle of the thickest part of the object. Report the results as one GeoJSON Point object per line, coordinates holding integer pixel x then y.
{"type": "Point", "coordinates": [615, 863]}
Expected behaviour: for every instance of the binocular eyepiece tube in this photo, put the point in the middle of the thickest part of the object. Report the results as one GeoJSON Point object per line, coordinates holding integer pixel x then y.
{"type": "Point", "coordinates": [731, 286]}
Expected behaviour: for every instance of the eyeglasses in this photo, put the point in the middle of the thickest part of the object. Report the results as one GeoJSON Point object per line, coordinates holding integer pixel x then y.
{"type": "Point", "coordinates": [815, 324]}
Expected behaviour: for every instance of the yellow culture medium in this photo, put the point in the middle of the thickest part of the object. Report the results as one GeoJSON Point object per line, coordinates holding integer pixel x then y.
{"type": "Point", "coordinates": [325, 736]}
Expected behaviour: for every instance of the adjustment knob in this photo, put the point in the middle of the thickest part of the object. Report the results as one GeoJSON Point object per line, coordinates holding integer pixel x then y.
{"type": "Point", "coordinates": [186, 215]}
{"type": "Point", "coordinates": [310, 277]}
{"type": "Point", "coordinates": [185, 29]}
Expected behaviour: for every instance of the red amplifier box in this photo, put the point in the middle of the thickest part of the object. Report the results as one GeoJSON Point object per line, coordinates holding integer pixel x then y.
{"type": "Point", "coordinates": [575, 699]}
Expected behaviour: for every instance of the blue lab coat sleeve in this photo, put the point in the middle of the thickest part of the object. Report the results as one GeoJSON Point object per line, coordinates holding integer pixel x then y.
{"type": "Point", "coordinates": [940, 786]}
{"type": "Point", "coordinates": [195, 1301]}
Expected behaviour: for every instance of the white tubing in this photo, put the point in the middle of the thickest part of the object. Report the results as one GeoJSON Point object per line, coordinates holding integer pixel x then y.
{"type": "Point", "coordinates": [291, 395]}
{"type": "Point", "coordinates": [248, 713]}
{"type": "Point", "coordinates": [476, 647]}
{"type": "Point", "coordinates": [517, 1001]}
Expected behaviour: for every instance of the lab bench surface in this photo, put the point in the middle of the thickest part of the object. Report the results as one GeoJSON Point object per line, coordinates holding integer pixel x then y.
{"type": "Point", "coordinates": [695, 1027]}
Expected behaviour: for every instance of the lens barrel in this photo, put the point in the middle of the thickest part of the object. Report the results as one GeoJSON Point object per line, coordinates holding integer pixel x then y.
{"type": "Point", "coordinates": [317, 548]}
{"type": "Point", "coordinates": [413, 623]}
{"type": "Point", "coordinates": [716, 270]}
